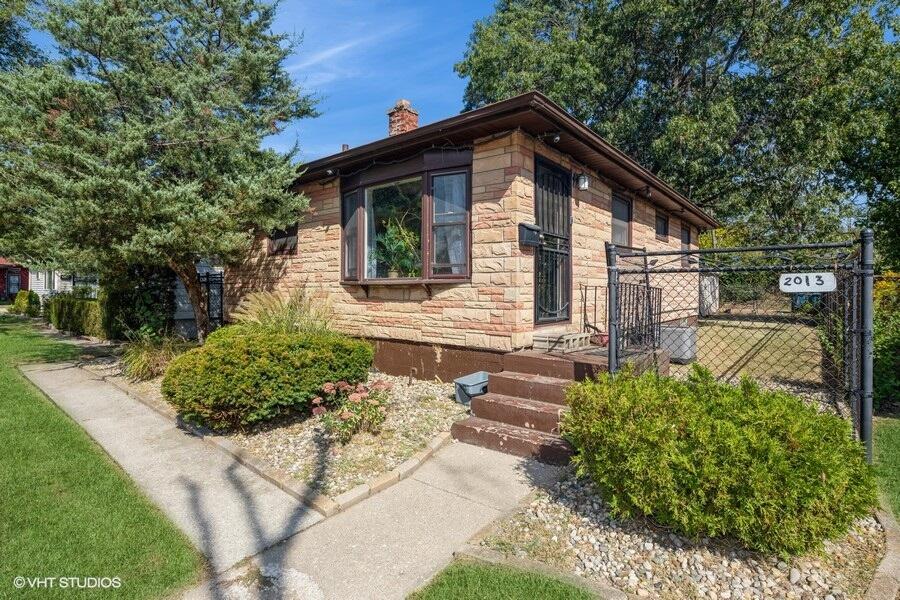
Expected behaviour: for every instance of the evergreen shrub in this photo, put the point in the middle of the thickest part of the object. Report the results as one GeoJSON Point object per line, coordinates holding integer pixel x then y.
{"type": "Point", "coordinates": [244, 375]}
{"type": "Point", "coordinates": [711, 459]}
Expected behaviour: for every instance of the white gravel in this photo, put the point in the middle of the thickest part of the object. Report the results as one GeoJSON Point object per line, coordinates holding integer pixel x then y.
{"type": "Point", "coordinates": [417, 412]}
{"type": "Point", "coordinates": [570, 527]}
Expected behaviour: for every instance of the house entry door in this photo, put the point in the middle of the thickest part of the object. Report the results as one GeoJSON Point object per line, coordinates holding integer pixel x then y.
{"type": "Point", "coordinates": [553, 266]}
{"type": "Point", "coordinates": [13, 283]}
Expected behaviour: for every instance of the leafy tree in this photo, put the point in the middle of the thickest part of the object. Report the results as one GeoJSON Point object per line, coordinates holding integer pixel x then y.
{"type": "Point", "coordinates": [748, 106]}
{"type": "Point", "coordinates": [142, 144]}
{"type": "Point", "coordinates": [873, 164]}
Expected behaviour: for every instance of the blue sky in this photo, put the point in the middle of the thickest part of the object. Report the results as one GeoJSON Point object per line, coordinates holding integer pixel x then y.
{"type": "Point", "coordinates": [360, 57]}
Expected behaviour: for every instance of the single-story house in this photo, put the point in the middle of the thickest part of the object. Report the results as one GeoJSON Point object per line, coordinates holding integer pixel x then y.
{"type": "Point", "coordinates": [452, 244]}
{"type": "Point", "coordinates": [13, 277]}
{"type": "Point", "coordinates": [48, 282]}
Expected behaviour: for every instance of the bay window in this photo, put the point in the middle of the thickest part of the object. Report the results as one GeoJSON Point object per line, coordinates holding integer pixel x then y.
{"type": "Point", "coordinates": [394, 230]}
{"type": "Point", "coordinates": [351, 236]}
{"type": "Point", "coordinates": [412, 228]}
{"type": "Point", "coordinates": [449, 225]}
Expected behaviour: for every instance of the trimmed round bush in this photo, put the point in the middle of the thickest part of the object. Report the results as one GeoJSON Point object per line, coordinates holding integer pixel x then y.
{"type": "Point", "coordinates": [243, 375]}
{"type": "Point", "coordinates": [27, 303]}
{"type": "Point", "coordinates": [712, 459]}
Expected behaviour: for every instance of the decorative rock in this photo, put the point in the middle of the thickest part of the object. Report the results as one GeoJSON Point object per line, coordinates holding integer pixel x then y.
{"type": "Point", "coordinates": [635, 556]}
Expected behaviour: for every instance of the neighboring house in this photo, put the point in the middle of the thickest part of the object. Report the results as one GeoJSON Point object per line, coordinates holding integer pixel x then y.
{"type": "Point", "coordinates": [13, 277]}
{"type": "Point", "coordinates": [49, 282]}
{"type": "Point", "coordinates": [414, 239]}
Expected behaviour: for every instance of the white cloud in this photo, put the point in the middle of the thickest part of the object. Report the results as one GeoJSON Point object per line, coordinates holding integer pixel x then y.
{"type": "Point", "coordinates": [322, 56]}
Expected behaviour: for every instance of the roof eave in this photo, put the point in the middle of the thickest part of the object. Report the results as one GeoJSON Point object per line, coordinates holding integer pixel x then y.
{"type": "Point", "coordinates": [534, 101]}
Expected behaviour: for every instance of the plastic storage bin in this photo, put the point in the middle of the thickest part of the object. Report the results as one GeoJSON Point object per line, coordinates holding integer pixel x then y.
{"type": "Point", "coordinates": [471, 385]}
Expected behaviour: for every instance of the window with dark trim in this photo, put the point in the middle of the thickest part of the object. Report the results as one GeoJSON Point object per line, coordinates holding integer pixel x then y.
{"type": "Point", "coordinates": [662, 225]}
{"type": "Point", "coordinates": [449, 248]}
{"type": "Point", "coordinates": [685, 243]}
{"type": "Point", "coordinates": [412, 228]}
{"type": "Point", "coordinates": [283, 241]}
{"type": "Point", "coordinates": [621, 220]}
{"type": "Point", "coordinates": [350, 240]}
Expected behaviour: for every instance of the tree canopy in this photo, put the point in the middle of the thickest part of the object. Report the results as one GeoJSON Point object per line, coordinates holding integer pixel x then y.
{"type": "Point", "coordinates": [753, 108]}
{"type": "Point", "coordinates": [141, 145]}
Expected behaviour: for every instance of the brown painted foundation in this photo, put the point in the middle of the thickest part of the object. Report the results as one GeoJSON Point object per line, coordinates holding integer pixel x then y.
{"type": "Point", "coordinates": [427, 361]}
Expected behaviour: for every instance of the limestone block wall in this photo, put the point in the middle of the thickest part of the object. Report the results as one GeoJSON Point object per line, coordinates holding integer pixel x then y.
{"type": "Point", "coordinates": [495, 309]}
{"type": "Point", "coordinates": [485, 312]}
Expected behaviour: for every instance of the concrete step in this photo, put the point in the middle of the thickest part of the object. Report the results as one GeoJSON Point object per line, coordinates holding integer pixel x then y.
{"type": "Point", "coordinates": [521, 412]}
{"type": "Point", "coordinates": [538, 363]}
{"type": "Point", "coordinates": [545, 447]}
{"type": "Point", "coordinates": [528, 385]}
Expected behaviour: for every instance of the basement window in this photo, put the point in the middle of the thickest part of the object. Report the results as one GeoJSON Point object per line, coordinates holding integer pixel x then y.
{"type": "Point", "coordinates": [409, 229]}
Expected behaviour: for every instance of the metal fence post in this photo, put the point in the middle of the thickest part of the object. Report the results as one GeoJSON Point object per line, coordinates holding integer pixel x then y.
{"type": "Point", "coordinates": [867, 239]}
{"type": "Point", "coordinates": [612, 308]}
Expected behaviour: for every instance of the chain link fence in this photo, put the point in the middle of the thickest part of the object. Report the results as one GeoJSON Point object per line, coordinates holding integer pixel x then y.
{"type": "Point", "coordinates": [793, 317]}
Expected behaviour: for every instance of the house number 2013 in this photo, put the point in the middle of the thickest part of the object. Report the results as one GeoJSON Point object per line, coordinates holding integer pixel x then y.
{"type": "Point", "coordinates": [794, 283]}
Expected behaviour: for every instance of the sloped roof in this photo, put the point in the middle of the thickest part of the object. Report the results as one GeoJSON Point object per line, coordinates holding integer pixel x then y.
{"type": "Point", "coordinates": [535, 114]}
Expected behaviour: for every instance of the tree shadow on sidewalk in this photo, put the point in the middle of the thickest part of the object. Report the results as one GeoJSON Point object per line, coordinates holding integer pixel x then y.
{"type": "Point", "coordinates": [262, 575]}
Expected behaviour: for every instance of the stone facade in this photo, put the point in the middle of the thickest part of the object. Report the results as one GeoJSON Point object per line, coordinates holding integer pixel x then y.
{"type": "Point", "coordinates": [494, 310]}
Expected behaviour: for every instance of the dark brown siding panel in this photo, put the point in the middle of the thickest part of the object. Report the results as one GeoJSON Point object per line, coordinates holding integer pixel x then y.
{"type": "Point", "coordinates": [430, 360]}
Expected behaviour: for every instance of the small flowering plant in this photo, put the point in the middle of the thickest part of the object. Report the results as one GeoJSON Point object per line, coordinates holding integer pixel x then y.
{"type": "Point", "coordinates": [346, 409]}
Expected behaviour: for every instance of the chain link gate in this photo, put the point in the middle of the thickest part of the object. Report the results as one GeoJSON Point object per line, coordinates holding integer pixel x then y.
{"type": "Point", "coordinates": [796, 318]}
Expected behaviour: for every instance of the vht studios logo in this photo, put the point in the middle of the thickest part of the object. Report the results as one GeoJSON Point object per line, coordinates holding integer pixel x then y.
{"type": "Point", "coordinates": [73, 583]}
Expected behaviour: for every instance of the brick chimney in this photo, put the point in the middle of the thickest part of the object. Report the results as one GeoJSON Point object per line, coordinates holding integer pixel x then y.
{"type": "Point", "coordinates": [402, 118]}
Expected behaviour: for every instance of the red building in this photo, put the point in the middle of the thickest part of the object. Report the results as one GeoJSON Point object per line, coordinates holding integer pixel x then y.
{"type": "Point", "coordinates": [13, 277]}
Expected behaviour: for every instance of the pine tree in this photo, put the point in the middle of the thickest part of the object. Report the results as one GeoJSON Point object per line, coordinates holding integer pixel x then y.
{"type": "Point", "coordinates": [141, 145]}
{"type": "Point", "coordinates": [15, 47]}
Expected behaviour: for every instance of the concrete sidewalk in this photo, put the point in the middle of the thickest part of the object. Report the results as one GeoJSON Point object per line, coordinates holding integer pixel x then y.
{"type": "Point", "coordinates": [394, 542]}
{"type": "Point", "coordinates": [384, 547]}
{"type": "Point", "coordinates": [228, 511]}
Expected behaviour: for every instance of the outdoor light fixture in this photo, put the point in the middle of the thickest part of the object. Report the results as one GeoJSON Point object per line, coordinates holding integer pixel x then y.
{"type": "Point", "coordinates": [584, 182]}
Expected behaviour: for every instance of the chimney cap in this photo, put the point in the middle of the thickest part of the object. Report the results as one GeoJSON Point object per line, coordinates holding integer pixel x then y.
{"type": "Point", "coordinates": [403, 104]}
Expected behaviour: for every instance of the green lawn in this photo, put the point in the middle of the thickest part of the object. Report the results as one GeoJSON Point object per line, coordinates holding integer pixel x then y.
{"type": "Point", "coordinates": [887, 459]}
{"type": "Point", "coordinates": [66, 510]}
{"type": "Point", "coordinates": [476, 581]}
{"type": "Point", "coordinates": [774, 350]}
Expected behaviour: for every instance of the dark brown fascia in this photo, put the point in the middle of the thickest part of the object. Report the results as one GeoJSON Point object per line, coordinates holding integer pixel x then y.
{"type": "Point", "coordinates": [587, 136]}
{"type": "Point", "coordinates": [535, 101]}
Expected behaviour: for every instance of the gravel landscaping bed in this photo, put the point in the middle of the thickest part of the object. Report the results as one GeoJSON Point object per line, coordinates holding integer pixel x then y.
{"type": "Point", "coordinates": [570, 528]}
{"type": "Point", "coordinates": [417, 412]}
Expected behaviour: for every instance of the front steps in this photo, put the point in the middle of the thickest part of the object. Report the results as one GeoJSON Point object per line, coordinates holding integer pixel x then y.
{"type": "Point", "coordinates": [545, 447]}
{"type": "Point", "coordinates": [520, 413]}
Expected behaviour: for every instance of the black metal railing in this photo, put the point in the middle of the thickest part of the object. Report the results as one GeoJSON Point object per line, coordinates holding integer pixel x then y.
{"type": "Point", "coordinates": [213, 286]}
{"type": "Point", "coordinates": [640, 310]}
